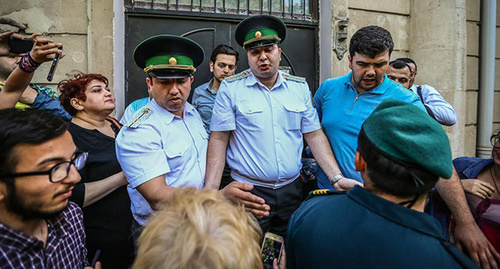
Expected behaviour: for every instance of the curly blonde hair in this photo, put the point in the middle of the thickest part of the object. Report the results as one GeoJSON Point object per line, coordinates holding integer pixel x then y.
{"type": "Point", "coordinates": [199, 229]}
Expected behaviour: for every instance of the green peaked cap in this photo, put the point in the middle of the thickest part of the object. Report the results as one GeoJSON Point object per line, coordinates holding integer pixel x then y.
{"type": "Point", "coordinates": [408, 134]}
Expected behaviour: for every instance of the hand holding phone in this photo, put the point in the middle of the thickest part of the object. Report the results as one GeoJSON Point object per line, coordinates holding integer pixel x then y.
{"type": "Point", "coordinates": [272, 247]}
{"type": "Point", "coordinates": [53, 66]}
{"type": "Point", "coordinates": [19, 46]}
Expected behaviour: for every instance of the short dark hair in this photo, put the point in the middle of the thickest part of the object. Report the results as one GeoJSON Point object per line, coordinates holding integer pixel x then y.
{"type": "Point", "coordinates": [397, 64]}
{"type": "Point", "coordinates": [371, 41]}
{"type": "Point", "coordinates": [391, 176]}
{"type": "Point", "coordinates": [75, 88]}
{"type": "Point", "coordinates": [408, 61]}
{"type": "Point", "coordinates": [223, 49]}
{"type": "Point", "coordinates": [25, 127]}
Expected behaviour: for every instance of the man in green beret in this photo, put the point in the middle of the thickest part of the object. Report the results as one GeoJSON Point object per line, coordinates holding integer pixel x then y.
{"type": "Point", "coordinates": [260, 119]}
{"type": "Point", "coordinates": [401, 155]}
{"type": "Point", "coordinates": [164, 145]}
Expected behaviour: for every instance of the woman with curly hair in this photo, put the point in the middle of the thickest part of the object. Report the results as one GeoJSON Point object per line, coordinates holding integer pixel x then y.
{"type": "Point", "coordinates": [102, 192]}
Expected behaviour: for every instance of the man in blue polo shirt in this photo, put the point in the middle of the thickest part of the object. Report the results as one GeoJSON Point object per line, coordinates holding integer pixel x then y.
{"type": "Point", "coordinates": [399, 163]}
{"type": "Point", "coordinates": [343, 103]}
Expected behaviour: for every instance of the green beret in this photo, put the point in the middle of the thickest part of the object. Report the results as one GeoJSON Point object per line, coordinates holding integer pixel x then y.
{"type": "Point", "coordinates": [168, 56]}
{"type": "Point", "coordinates": [406, 133]}
{"type": "Point", "coordinates": [260, 31]}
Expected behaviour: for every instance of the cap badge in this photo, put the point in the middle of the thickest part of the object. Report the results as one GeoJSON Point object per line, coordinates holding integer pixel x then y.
{"type": "Point", "coordinates": [258, 34]}
{"type": "Point", "coordinates": [172, 61]}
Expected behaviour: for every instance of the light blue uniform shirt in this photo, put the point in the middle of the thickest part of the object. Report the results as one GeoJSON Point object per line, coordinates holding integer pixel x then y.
{"type": "Point", "coordinates": [132, 108]}
{"type": "Point", "coordinates": [442, 110]}
{"type": "Point", "coordinates": [203, 100]}
{"type": "Point", "coordinates": [342, 112]}
{"type": "Point", "coordinates": [162, 144]}
{"type": "Point", "coordinates": [265, 145]}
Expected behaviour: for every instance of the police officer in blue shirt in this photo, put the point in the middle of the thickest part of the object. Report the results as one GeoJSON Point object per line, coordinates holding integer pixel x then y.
{"type": "Point", "coordinates": [164, 144]}
{"type": "Point", "coordinates": [260, 118]}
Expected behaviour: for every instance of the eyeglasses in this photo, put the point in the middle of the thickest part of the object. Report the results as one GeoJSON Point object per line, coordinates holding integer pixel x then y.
{"type": "Point", "coordinates": [495, 141]}
{"type": "Point", "coordinates": [59, 172]}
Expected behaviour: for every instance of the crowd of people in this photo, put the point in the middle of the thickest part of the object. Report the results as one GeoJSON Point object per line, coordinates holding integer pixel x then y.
{"type": "Point", "coordinates": [174, 184]}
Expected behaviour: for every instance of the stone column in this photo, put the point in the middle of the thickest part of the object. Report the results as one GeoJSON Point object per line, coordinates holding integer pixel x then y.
{"type": "Point", "coordinates": [438, 44]}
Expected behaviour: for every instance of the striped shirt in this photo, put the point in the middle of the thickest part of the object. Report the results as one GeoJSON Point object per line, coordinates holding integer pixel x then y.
{"type": "Point", "coordinates": [65, 246]}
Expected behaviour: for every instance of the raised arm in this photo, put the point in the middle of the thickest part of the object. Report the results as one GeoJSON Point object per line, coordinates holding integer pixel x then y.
{"type": "Point", "coordinates": [20, 78]}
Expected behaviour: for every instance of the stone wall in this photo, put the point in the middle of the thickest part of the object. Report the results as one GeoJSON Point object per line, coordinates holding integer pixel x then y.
{"type": "Point", "coordinates": [434, 34]}
{"type": "Point", "coordinates": [84, 27]}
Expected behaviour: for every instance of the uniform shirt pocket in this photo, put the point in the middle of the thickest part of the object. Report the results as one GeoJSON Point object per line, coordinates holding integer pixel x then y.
{"type": "Point", "coordinates": [174, 153]}
{"type": "Point", "coordinates": [294, 115]}
{"type": "Point", "coordinates": [250, 115]}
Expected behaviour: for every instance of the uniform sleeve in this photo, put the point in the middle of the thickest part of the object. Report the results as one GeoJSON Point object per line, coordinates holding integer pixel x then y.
{"type": "Point", "coordinates": [442, 110]}
{"type": "Point", "coordinates": [310, 120]}
{"type": "Point", "coordinates": [223, 117]}
{"type": "Point", "coordinates": [140, 154]}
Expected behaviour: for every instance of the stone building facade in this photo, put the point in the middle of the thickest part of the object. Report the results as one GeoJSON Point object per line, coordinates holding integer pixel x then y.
{"type": "Point", "coordinates": [442, 36]}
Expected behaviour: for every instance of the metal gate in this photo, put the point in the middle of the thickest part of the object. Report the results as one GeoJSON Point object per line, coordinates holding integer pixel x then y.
{"type": "Point", "coordinates": [213, 22]}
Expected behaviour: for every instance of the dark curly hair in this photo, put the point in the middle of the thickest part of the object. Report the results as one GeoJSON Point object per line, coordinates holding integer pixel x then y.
{"type": "Point", "coordinates": [25, 127]}
{"type": "Point", "coordinates": [371, 41]}
{"type": "Point", "coordinates": [75, 88]}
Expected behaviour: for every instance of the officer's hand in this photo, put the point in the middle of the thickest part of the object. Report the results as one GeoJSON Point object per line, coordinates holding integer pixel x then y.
{"type": "Point", "coordinates": [345, 184]}
{"type": "Point", "coordinates": [479, 248]}
{"type": "Point", "coordinates": [477, 187]}
{"type": "Point", "coordinates": [44, 49]}
{"type": "Point", "coordinates": [239, 193]}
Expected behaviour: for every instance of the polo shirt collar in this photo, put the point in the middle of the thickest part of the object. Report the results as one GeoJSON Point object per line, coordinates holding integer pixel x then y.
{"type": "Point", "coordinates": [380, 89]}
{"type": "Point", "coordinates": [404, 216]}
{"type": "Point", "coordinates": [167, 116]}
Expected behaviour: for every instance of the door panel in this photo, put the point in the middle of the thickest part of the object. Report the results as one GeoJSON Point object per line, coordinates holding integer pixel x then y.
{"type": "Point", "coordinates": [299, 50]}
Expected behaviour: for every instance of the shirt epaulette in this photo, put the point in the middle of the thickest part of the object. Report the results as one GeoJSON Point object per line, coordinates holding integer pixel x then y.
{"type": "Point", "coordinates": [139, 117]}
{"type": "Point", "coordinates": [294, 78]}
{"type": "Point", "coordinates": [323, 192]}
{"type": "Point", "coordinates": [238, 76]}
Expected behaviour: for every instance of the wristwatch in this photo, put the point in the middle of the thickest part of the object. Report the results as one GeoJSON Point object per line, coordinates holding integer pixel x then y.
{"type": "Point", "coordinates": [336, 178]}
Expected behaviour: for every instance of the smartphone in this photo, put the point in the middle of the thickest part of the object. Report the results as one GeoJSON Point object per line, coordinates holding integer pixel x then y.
{"type": "Point", "coordinates": [53, 66]}
{"type": "Point", "coordinates": [18, 46]}
{"type": "Point", "coordinates": [272, 247]}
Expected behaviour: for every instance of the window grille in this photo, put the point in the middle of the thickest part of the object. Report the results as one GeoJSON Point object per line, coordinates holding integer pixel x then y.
{"type": "Point", "coordinates": [301, 10]}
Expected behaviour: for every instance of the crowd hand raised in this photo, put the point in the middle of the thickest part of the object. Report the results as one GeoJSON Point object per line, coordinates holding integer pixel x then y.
{"type": "Point", "coordinates": [479, 248]}
{"type": "Point", "coordinates": [239, 193]}
{"type": "Point", "coordinates": [477, 187]}
{"type": "Point", "coordinates": [44, 49]}
{"type": "Point", "coordinates": [4, 44]}
{"type": "Point", "coordinates": [345, 184]}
